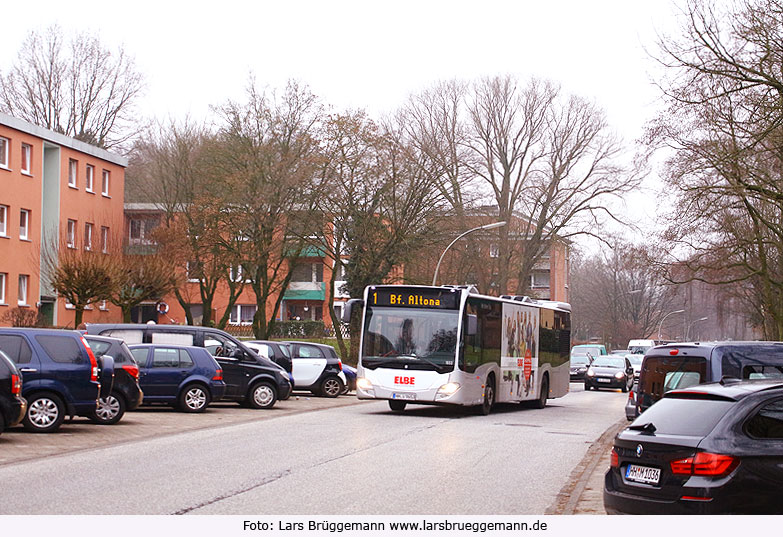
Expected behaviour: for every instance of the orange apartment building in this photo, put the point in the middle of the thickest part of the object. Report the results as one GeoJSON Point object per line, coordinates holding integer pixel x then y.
{"type": "Point", "coordinates": [53, 190]}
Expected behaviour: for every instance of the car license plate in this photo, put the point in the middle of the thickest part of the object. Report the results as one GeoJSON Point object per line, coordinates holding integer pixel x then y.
{"type": "Point", "coordinates": [643, 474]}
{"type": "Point", "coordinates": [404, 396]}
{"type": "Point", "coordinates": [604, 380]}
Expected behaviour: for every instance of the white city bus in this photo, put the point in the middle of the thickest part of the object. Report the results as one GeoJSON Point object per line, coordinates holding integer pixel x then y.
{"type": "Point", "coordinates": [451, 345]}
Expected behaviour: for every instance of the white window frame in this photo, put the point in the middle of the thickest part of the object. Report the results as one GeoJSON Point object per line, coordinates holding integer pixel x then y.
{"type": "Point", "coordinates": [103, 305]}
{"type": "Point", "coordinates": [89, 178]}
{"type": "Point", "coordinates": [187, 273]}
{"type": "Point", "coordinates": [235, 318]}
{"type": "Point", "coordinates": [73, 173]}
{"type": "Point", "coordinates": [88, 236]}
{"type": "Point", "coordinates": [70, 237]}
{"type": "Point", "coordinates": [533, 284]}
{"type": "Point", "coordinates": [4, 221]}
{"type": "Point", "coordinates": [3, 279]}
{"type": "Point", "coordinates": [24, 230]}
{"type": "Point", "coordinates": [27, 159]}
{"type": "Point", "coordinates": [4, 152]}
{"type": "Point", "coordinates": [24, 285]}
{"type": "Point", "coordinates": [105, 178]}
{"type": "Point", "coordinates": [105, 239]}
{"type": "Point", "coordinates": [494, 251]}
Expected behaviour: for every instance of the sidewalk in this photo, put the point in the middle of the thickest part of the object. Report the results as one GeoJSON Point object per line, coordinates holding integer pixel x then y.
{"type": "Point", "coordinates": [583, 494]}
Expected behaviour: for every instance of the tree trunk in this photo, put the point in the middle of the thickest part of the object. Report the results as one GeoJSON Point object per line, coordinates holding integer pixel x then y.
{"type": "Point", "coordinates": [78, 315]}
{"type": "Point", "coordinates": [126, 314]}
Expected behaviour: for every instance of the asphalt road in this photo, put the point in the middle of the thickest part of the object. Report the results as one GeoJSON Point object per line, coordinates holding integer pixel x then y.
{"type": "Point", "coordinates": [354, 459]}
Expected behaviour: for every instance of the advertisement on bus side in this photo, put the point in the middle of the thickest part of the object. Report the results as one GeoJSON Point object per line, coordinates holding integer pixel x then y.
{"type": "Point", "coordinates": [519, 357]}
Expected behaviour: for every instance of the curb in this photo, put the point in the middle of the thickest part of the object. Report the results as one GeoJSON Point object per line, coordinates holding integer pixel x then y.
{"type": "Point", "coordinates": [569, 496]}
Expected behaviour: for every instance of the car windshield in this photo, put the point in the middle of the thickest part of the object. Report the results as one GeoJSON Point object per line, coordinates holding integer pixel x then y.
{"type": "Point", "coordinates": [609, 361]}
{"type": "Point", "coordinates": [638, 350]}
{"type": "Point", "coordinates": [635, 359]}
{"type": "Point", "coordinates": [580, 360]}
{"type": "Point", "coordinates": [584, 351]}
{"type": "Point", "coordinates": [410, 338]}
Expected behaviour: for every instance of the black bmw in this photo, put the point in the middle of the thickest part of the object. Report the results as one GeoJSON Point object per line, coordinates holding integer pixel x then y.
{"type": "Point", "coordinates": [709, 449]}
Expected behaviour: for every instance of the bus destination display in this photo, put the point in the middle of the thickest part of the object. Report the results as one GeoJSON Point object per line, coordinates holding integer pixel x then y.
{"type": "Point", "coordinates": [414, 298]}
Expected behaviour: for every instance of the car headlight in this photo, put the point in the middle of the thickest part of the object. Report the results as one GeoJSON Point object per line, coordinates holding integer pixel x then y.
{"type": "Point", "coordinates": [590, 373]}
{"type": "Point", "coordinates": [363, 384]}
{"type": "Point", "coordinates": [448, 389]}
{"type": "Point", "coordinates": [619, 375]}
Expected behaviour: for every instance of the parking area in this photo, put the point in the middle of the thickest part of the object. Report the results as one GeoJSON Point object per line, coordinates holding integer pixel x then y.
{"type": "Point", "coordinates": [16, 445]}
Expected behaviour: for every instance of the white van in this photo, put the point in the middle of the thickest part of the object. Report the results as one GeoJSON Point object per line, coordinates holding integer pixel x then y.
{"type": "Point", "coordinates": [640, 346]}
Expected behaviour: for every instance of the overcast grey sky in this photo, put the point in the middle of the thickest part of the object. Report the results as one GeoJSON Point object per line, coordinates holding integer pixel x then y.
{"type": "Point", "coordinates": [365, 54]}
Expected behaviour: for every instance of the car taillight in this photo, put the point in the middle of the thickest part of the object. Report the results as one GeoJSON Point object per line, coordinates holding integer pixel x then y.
{"type": "Point", "coordinates": [340, 364]}
{"type": "Point", "coordinates": [16, 384]}
{"type": "Point", "coordinates": [614, 462]}
{"type": "Point", "coordinates": [132, 370]}
{"type": "Point", "coordinates": [218, 375]}
{"type": "Point", "coordinates": [93, 361]}
{"type": "Point", "coordinates": [630, 395]}
{"type": "Point", "coordinates": [705, 464]}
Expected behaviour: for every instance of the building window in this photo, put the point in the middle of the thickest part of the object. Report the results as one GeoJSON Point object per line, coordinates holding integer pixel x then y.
{"type": "Point", "coordinates": [88, 236]}
{"type": "Point", "coordinates": [539, 279]}
{"type": "Point", "coordinates": [24, 224]}
{"type": "Point", "coordinates": [4, 144]}
{"type": "Point", "coordinates": [105, 183]}
{"type": "Point", "coordinates": [3, 278]}
{"type": "Point", "coordinates": [104, 239]}
{"type": "Point", "coordinates": [235, 273]}
{"type": "Point", "coordinates": [71, 236]}
{"type": "Point", "coordinates": [24, 281]}
{"type": "Point", "coordinates": [308, 272]}
{"type": "Point", "coordinates": [243, 314]}
{"type": "Point", "coordinates": [89, 174]}
{"type": "Point", "coordinates": [72, 170]}
{"type": "Point", "coordinates": [27, 158]}
{"type": "Point", "coordinates": [3, 220]}
{"type": "Point", "coordinates": [494, 250]}
{"type": "Point", "coordinates": [141, 228]}
{"type": "Point", "coordinates": [193, 268]}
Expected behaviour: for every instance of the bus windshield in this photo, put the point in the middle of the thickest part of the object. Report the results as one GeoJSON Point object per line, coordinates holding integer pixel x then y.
{"type": "Point", "coordinates": [410, 338]}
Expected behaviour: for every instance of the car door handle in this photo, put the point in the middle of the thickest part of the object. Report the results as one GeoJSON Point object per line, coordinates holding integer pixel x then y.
{"type": "Point", "coordinates": [28, 370]}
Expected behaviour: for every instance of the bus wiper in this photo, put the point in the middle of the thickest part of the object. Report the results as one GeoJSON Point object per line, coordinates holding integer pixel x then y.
{"type": "Point", "coordinates": [648, 428]}
{"type": "Point", "coordinates": [421, 359]}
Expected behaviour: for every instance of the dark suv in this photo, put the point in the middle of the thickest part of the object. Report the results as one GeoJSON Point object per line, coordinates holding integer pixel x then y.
{"type": "Point", "coordinates": [61, 375]}
{"type": "Point", "coordinates": [126, 393]}
{"type": "Point", "coordinates": [12, 404]}
{"type": "Point", "coordinates": [680, 365]}
{"type": "Point", "coordinates": [250, 379]}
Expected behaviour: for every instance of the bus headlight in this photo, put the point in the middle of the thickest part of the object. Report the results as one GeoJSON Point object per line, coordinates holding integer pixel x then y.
{"type": "Point", "coordinates": [447, 390]}
{"type": "Point", "coordinates": [364, 384]}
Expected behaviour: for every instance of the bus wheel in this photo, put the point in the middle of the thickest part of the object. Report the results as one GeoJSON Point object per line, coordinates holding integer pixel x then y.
{"type": "Point", "coordinates": [397, 406]}
{"type": "Point", "coordinates": [489, 396]}
{"type": "Point", "coordinates": [541, 402]}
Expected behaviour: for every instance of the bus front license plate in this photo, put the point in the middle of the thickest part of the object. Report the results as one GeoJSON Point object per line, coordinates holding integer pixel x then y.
{"type": "Point", "coordinates": [643, 474]}
{"type": "Point", "coordinates": [404, 396]}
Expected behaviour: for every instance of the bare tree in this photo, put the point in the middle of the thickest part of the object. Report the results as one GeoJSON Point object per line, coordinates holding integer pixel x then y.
{"type": "Point", "coordinates": [137, 278]}
{"type": "Point", "coordinates": [78, 88]}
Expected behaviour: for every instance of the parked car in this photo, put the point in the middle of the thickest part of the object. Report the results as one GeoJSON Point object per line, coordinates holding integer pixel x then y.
{"type": "Point", "coordinates": [680, 365]}
{"type": "Point", "coordinates": [12, 405]}
{"type": "Point", "coordinates": [712, 449]}
{"type": "Point", "coordinates": [350, 377]}
{"type": "Point", "coordinates": [126, 393]}
{"type": "Point", "coordinates": [636, 363]}
{"type": "Point", "coordinates": [276, 351]}
{"type": "Point", "coordinates": [593, 349]}
{"type": "Point", "coordinates": [630, 405]}
{"type": "Point", "coordinates": [609, 372]}
{"type": "Point", "coordinates": [317, 368]}
{"type": "Point", "coordinates": [60, 374]}
{"type": "Point", "coordinates": [188, 378]}
{"type": "Point", "coordinates": [250, 379]}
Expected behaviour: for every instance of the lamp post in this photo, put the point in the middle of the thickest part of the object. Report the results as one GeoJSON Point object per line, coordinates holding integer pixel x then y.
{"type": "Point", "coordinates": [660, 326]}
{"type": "Point", "coordinates": [688, 331]}
{"type": "Point", "coordinates": [487, 226]}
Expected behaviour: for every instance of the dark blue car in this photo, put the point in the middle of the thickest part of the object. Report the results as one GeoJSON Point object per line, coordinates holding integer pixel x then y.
{"type": "Point", "coordinates": [186, 377]}
{"type": "Point", "coordinates": [61, 375]}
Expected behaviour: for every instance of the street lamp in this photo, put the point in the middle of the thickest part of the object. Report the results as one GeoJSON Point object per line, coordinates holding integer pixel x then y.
{"type": "Point", "coordinates": [688, 331]}
{"type": "Point", "coordinates": [660, 326]}
{"type": "Point", "coordinates": [487, 226]}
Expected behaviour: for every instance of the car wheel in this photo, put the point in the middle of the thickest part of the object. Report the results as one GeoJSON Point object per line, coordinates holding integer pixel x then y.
{"type": "Point", "coordinates": [624, 388]}
{"type": "Point", "coordinates": [110, 410]}
{"type": "Point", "coordinates": [193, 398]}
{"type": "Point", "coordinates": [262, 395]}
{"type": "Point", "coordinates": [397, 406]}
{"type": "Point", "coordinates": [544, 395]}
{"type": "Point", "coordinates": [331, 387]}
{"type": "Point", "coordinates": [587, 387]}
{"type": "Point", "coordinates": [45, 413]}
{"type": "Point", "coordinates": [489, 397]}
